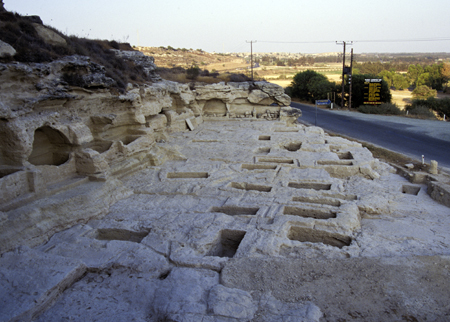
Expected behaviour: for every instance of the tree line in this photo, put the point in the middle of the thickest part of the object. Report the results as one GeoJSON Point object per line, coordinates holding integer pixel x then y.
{"type": "Point", "coordinates": [425, 80]}
{"type": "Point", "coordinates": [311, 86]}
{"type": "Point", "coordinates": [402, 76]}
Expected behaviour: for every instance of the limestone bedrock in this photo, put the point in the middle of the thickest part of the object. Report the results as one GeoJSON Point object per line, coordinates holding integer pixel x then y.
{"type": "Point", "coordinates": [245, 220]}
{"type": "Point", "coordinates": [205, 203]}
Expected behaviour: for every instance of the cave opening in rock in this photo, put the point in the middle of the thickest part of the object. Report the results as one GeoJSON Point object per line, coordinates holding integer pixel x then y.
{"type": "Point", "coordinates": [50, 147]}
{"type": "Point", "coordinates": [215, 107]}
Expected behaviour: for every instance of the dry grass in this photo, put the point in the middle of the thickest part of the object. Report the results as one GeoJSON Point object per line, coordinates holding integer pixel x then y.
{"type": "Point", "coordinates": [168, 58]}
{"type": "Point", "coordinates": [179, 75]}
{"type": "Point", "coordinates": [401, 98]}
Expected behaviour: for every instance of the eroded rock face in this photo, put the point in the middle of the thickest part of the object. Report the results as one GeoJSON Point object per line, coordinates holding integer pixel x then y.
{"type": "Point", "coordinates": [141, 60]}
{"type": "Point", "coordinates": [6, 49]}
{"type": "Point", "coordinates": [60, 120]}
{"type": "Point", "coordinates": [49, 36]}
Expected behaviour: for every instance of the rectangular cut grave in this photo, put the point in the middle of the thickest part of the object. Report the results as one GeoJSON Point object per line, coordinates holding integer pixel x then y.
{"type": "Point", "coordinates": [345, 155]}
{"type": "Point", "coordinates": [259, 166]}
{"type": "Point", "coordinates": [335, 162]}
{"type": "Point", "coordinates": [310, 185]}
{"type": "Point", "coordinates": [262, 151]}
{"type": "Point", "coordinates": [264, 138]}
{"type": "Point", "coordinates": [310, 235]}
{"type": "Point", "coordinates": [121, 234]}
{"type": "Point", "coordinates": [235, 210]}
{"type": "Point", "coordinates": [250, 186]}
{"type": "Point", "coordinates": [411, 190]}
{"type": "Point", "coordinates": [287, 129]}
{"type": "Point", "coordinates": [205, 141]}
{"type": "Point", "coordinates": [309, 213]}
{"type": "Point", "coordinates": [228, 243]}
{"type": "Point", "coordinates": [275, 160]}
{"type": "Point", "coordinates": [293, 146]}
{"type": "Point", "coordinates": [187, 175]}
{"type": "Point", "coordinates": [318, 200]}
{"type": "Point", "coordinates": [341, 196]}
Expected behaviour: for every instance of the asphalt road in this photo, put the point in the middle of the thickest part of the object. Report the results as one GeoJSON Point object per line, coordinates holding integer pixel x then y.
{"type": "Point", "coordinates": [412, 137]}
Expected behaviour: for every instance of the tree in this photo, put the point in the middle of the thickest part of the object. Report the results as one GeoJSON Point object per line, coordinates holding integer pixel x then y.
{"type": "Point", "coordinates": [310, 85]}
{"type": "Point", "coordinates": [400, 82]}
{"type": "Point", "coordinates": [414, 71]}
{"type": "Point", "coordinates": [388, 77]}
{"type": "Point", "coordinates": [423, 92]}
{"type": "Point", "coordinates": [445, 72]}
{"type": "Point", "coordinates": [423, 79]}
{"type": "Point", "coordinates": [436, 79]}
{"type": "Point", "coordinates": [193, 72]}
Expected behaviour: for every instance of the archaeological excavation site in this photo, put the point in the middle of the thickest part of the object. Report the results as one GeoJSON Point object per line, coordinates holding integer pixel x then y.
{"type": "Point", "coordinates": [203, 202]}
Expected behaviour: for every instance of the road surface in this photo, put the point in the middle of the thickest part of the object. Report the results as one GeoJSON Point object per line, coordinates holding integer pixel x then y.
{"type": "Point", "coordinates": [412, 137]}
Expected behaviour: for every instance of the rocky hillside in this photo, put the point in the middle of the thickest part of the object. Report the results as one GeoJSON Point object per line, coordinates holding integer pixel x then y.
{"type": "Point", "coordinates": [170, 57]}
{"type": "Point", "coordinates": [26, 39]}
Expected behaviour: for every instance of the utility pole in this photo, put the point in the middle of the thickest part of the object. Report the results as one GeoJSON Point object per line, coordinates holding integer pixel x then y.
{"type": "Point", "coordinates": [350, 78]}
{"type": "Point", "coordinates": [251, 54]}
{"type": "Point", "coordinates": [343, 71]}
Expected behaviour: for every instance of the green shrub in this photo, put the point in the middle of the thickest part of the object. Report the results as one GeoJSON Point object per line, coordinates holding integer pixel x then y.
{"type": "Point", "coordinates": [424, 92]}
{"type": "Point", "coordinates": [288, 91]}
{"type": "Point", "coordinates": [385, 109]}
{"type": "Point", "coordinates": [440, 105]}
{"type": "Point", "coordinates": [239, 78]}
{"type": "Point", "coordinates": [310, 86]}
{"type": "Point", "coordinates": [421, 112]}
{"type": "Point", "coordinates": [192, 72]}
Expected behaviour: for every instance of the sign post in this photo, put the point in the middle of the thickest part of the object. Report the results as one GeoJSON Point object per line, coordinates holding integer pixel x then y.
{"type": "Point", "coordinates": [372, 90]}
{"type": "Point", "coordinates": [320, 102]}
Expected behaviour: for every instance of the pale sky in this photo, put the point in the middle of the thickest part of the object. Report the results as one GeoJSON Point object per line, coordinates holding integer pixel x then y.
{"type": "Point", "coordinates": [226, 26]}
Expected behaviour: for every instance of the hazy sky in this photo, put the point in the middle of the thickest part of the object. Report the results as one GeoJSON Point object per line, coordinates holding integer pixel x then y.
{"type": "Point", "coordinates": [225, 26]}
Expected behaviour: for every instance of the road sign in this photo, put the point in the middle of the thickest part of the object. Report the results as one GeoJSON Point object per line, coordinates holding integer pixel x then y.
{"type": "Point", "coordinates": [372, 90]}
{"type": "Point", "coordinates": [323, 102]}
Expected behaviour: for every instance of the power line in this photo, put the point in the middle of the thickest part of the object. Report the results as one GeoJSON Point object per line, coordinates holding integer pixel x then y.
{"type": "Point", "coordinates": [361, 41]}
{"type": "Point", "coordinates": [407, 40]}
{"type": "Point", "coordinates": [297, 42]}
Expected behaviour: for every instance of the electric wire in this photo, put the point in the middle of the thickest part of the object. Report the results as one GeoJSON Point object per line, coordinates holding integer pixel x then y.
{"type": "Point", "coordinates": [358, 41]}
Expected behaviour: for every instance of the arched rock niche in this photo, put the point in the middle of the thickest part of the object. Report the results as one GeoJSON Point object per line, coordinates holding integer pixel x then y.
{"type": "Point", "coordinates": [215, 107]}
{"type": "Point", "coordinates": [50, 147]}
